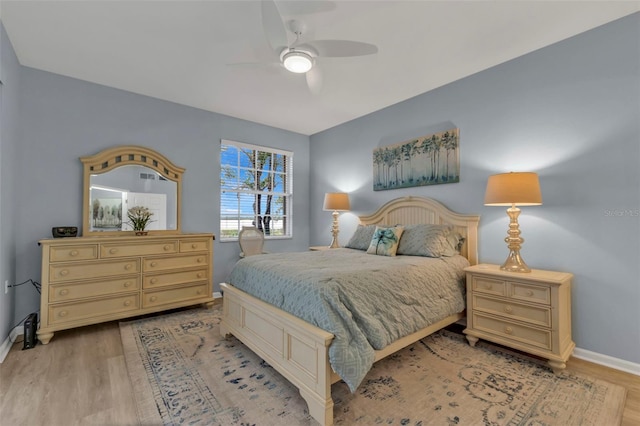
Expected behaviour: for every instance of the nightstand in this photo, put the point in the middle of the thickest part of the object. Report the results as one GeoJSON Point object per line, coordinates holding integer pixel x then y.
{"type": "Point", "coordinates": [319, 248]}
{"type": "Point", "coordinates": [530, 312]}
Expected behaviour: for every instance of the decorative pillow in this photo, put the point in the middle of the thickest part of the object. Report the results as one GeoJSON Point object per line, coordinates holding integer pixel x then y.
{"type": "Point", "coordinates": [385, 240]}
{"type": "Point", "coordinates": [361, 239]}
{"type": "Point", "coordinates": [430, 241]}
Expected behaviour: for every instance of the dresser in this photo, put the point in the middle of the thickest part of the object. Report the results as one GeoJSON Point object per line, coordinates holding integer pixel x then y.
{"type": "Point", "coordinates": [90, 280]}
{"type": "Point", "coordinates": [530, 312]}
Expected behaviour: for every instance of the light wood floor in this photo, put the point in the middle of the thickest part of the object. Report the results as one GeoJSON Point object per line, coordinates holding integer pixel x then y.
{"type": "Point", "coordinates": [80, 378]}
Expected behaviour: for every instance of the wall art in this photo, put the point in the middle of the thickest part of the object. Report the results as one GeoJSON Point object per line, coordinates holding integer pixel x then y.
{"type": "Point", "coordinates": [426, 160]}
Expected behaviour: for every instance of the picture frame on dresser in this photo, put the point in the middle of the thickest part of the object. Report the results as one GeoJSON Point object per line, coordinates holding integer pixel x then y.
{"type": "Point", "coordinates": [114, 274]}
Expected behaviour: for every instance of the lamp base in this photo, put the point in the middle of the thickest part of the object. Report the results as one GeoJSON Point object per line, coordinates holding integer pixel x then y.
{"type": "Point", "coordinates": [515, 263]}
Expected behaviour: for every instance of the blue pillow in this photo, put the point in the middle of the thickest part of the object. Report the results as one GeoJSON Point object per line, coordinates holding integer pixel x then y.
{"type": "Point", "coordinates": [385, 240]}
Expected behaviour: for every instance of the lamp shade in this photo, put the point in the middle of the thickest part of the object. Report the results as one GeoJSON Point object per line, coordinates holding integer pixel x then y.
{"type": "Point", "coordinates": [336, 201]}
{"type": "Point", "coordinates": [515, 188]}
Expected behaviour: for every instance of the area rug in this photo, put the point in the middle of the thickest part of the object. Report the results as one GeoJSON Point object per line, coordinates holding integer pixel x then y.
{"type": "Point", "coordinates": [184, 373]}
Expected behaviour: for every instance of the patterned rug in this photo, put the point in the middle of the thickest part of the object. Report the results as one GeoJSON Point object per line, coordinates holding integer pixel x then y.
{"type": "Point", "coordinates": [183, 372]}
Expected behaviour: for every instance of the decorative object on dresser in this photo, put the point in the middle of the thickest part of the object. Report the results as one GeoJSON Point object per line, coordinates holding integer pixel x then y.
{"type": "Point", "coordinates": [513, 189]}
{"type": "Point", "coordinates": [139, 218]}
{"type": "Point", "coordinates": [336, 202]}
{"type": "Point", "coordinates": [109, 273]}
{"type": "Point", "coordinates": [531, 313]}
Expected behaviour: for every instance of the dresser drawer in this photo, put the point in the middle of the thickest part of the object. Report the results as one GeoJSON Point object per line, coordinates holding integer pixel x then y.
{"type": "Point", "coordinates": [488, 285]}
{"type": "Point", "coordinates": [175, 262]}
{"type": "Point", "coordinates": [67, 253]}
{"type": "Point", "coordinates": [530, 293]}
{"type": "Point", "coordinates": [155, 298]}
{"type": "Point", "coordinates": [59, 272]}
{"type": "Point", "coordinates": [194, 245]}
{"type": "Point", "coordinates": [537, 315]}
{"type": "Point", "coordinates": [173, 278]}
{"type": "Point", "coordinates": [67, 292]}
{"type": "Point", "coordinates": [110, 250]}
{"type": "Point", "coordinates": [68, 312]}
{"type": "Point", "coordinates": [531, 336]}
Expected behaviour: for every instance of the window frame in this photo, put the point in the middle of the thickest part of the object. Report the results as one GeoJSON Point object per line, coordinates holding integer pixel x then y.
{"type": "Point", "coordinates": [287, 192]}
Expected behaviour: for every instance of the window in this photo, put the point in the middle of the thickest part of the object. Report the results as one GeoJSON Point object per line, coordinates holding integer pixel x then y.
{"type": "Point", "coordinates": [255, 190]}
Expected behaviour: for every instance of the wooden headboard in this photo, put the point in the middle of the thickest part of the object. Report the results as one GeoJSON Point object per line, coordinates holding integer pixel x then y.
{"type": "Point", "coordinates": [416, 210]}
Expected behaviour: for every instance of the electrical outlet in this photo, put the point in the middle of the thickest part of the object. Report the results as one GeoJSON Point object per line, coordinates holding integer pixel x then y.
{"type": "Point", "coordinates": [6, 286]}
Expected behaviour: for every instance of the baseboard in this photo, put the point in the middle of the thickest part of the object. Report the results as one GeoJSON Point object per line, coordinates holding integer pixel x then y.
{"type": "Point", "coordinates": [217, 295]}
{"type": "Point", "coordinates": [607, 361]}
{"type": "Point", "coordinates": [8, 342]}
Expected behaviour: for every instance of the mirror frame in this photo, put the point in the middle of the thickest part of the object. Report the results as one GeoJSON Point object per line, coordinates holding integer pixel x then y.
{"type": "Point", "coordinates": [128, 155]}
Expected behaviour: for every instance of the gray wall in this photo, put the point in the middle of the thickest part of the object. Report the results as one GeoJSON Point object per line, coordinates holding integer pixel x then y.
{"type": "Point", "coordinates": [569, 112]}
{"type": "Point", "coordinates": [64, 119]}
{"type": "Point", "coordinates": [9, 108]}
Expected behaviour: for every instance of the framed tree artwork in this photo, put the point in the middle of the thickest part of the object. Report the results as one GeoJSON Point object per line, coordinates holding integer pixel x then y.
{"type": "Point", "coordinates": [427, 160]}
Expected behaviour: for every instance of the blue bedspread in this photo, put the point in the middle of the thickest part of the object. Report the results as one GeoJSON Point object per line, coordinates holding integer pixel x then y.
{"type": "Point", "coordinates": [365, 301]}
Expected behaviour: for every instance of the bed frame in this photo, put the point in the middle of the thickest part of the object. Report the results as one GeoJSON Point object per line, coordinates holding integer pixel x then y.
{"type": "Point", "coordinates": [300, 351]}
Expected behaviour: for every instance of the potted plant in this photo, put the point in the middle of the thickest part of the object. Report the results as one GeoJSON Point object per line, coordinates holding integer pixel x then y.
{"type": "Point", "coordinates": [139, 218]}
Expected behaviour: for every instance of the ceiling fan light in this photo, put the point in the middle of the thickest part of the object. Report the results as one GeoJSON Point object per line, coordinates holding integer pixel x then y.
{"type": "Point", "coordinates": [298, 62]}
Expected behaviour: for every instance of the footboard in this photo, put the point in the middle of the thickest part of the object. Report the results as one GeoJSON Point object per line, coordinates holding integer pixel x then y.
{"type": "Point", "coordinates": [297, 350]}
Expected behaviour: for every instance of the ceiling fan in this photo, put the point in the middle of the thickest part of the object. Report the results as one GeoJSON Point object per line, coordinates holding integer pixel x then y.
{"type": "Point", "coordinates": [300, 57]}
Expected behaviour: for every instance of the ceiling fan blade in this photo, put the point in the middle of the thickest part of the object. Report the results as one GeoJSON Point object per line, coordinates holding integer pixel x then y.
{"type": "Point", "coordinates": [340, 48]}
{"type": "Point", "coordinates": [314, 80]}
{"type": "Point", "coordinates": [273, 26]}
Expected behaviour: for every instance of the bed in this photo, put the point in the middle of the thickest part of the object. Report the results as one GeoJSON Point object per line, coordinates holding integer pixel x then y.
{"type": "Point", "coordinates": [302, 352]}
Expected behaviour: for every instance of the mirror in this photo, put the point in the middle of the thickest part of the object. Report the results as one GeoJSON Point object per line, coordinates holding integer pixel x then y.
{"type": "Point", "coordinates": [120, 178]}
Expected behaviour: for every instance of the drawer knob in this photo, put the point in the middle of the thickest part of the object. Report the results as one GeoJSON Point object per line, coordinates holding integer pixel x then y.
{"type": "Point", "coordinates": [63, 314]}
{"type": "Point", "coordinates": [200, 274]}
{"type": "Point", "coordinates": [200, 260]}
{"type": "Point", "coordinates": [127, 302]}
{"type": "Point", "coordinates": [73, 253]}
{"type": "Point", "coordinates": [128, 266]}
{"type": "Point", "coordinates": [508, 309]}
{"type": "Point", "coordinates": [153, 298]}
{"type": "Point", "coordinates": [154, 280]}
{"type": "Point", "coordinates": [529, 293]}
{"type": "Point", "coordinates": [113, 251]}
{"type": "Point", "coordinates": [167, 247]}
{"type": "Point", "coordinates": [63, 292]}
{"type": "Point", "coordinates": [64, 272]}
{"type": "Point", "coordinates": [508, 330]}
{"type": "Point", "coordinates": [154, 264]}
{"type": "Point", "coordinates": [127, 284]}
{"type": "Point", "coordinates": [199, 292]}
{"type": "Point", "coordinates": [194, 245]}
{"type": "Point", "coordinates": [488, 286]}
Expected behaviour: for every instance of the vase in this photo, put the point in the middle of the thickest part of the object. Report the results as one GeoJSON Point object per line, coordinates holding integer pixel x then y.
{"type": "Point", "coordinates": [139, 233]}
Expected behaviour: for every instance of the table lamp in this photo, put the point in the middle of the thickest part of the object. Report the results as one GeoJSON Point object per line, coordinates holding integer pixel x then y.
{"type": "Point", "coordinates": [513, 189]}
{"type": "Point", "coordinates": [336, 202]}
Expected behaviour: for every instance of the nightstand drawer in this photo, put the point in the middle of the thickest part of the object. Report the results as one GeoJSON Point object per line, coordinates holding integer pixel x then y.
{"type": "Point", "coordinates": [528, 335]}
{"type": "Point", "coordinates": [530, 292]}
{"type": "Point", "coordinates": [531, 314]}
{"type": "Point", "coordinates": [489, 286]}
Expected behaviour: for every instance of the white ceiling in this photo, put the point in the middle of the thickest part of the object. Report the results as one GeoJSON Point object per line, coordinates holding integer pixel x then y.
{"type": "Point", "coordinates": [180, 51]}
